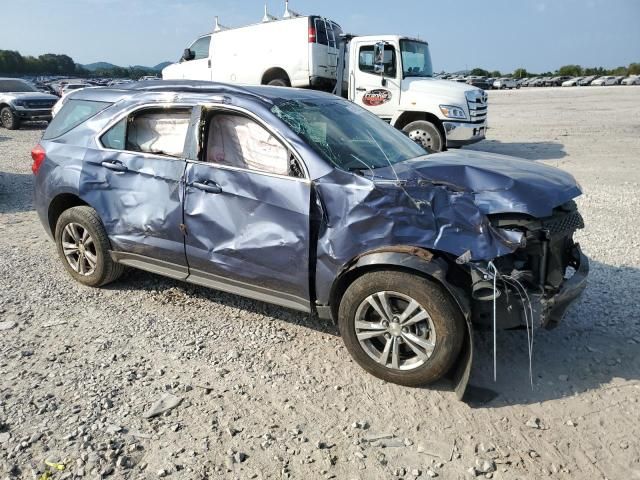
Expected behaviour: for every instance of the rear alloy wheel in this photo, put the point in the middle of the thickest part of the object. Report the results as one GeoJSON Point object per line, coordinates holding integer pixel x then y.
{"type": "Point", "coordinates": [83, 247]}
{"type": "Point", "coordinates": [401, 327]}
{"type": "Point", "coordinates": [279, 82]}
{"type": "Point", "coordinates": [426, 134]}
{"type": "Point", "coordinates": [9, 120]}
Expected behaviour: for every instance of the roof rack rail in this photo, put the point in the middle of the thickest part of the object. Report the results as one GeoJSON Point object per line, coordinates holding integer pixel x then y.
{"type": "Point", "coordinates": [192, 86]}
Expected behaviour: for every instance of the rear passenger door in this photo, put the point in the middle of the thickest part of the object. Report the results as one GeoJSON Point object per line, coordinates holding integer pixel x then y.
{"type": "Point", "coordinates": [246, 212]}
{"type": "Point", "coordinates": [133, 178]}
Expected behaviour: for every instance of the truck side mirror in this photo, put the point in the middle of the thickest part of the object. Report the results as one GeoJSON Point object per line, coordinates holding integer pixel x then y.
{"type": "Point", "coordinates": [188, 54]}
{"type": "Point", "coordinates": [378, 58]}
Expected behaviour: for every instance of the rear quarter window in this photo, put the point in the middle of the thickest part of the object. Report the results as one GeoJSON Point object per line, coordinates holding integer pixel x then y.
{"type": "Point", "coordinates": [72, 114]}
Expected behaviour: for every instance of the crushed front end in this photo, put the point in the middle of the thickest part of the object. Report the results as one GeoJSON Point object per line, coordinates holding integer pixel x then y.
{"type": "Point", "coordinates": [536, 283]}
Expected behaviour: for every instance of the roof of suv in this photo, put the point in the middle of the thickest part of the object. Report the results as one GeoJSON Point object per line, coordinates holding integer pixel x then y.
{"type": "Point", "coordinates": [199, 88]}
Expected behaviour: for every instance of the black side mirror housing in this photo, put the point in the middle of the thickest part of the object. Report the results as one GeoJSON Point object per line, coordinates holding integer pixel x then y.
{"type": "Point", "coordinates": [188, 55]}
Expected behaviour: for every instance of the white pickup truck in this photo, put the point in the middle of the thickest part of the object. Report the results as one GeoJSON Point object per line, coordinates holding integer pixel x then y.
{"type": "Point", "coordinates": [389, 75]}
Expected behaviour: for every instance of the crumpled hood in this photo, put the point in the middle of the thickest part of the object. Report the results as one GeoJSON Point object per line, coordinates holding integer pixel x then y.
{"type": "Point", "coordinates": [499, 183]}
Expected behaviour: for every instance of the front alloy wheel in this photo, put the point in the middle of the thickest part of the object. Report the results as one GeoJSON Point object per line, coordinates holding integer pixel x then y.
{"type": "Point", "coordinates": [401, 327]}
{"type": "Point", "coordinates": [395, 331]}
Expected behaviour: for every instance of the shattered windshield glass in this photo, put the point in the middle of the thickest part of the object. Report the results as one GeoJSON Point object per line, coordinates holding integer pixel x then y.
{"type": "Point", "coordinates": [346, 135]}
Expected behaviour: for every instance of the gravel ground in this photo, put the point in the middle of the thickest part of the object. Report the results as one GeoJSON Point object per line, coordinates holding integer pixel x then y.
{"type": "Point", "coordinates": [262, 392]}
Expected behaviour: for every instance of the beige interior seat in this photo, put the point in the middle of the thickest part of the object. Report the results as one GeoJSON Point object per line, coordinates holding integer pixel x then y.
{"type": "Point", "coordinates": [240, 142]}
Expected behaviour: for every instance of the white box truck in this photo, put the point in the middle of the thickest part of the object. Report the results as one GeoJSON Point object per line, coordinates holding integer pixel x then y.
{"type": "Point", "coordinates": [389, 75]}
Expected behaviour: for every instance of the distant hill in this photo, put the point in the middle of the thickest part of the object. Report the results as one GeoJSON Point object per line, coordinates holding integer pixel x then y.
{"type": "Point", "coordinates": [160, 66]}
{"type": "Point", "coordinates": [92, 67]}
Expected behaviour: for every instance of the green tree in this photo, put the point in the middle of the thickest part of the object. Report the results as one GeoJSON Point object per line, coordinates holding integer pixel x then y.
{"type": "Point", "coordinates": [495, 73]}
{"type": "Point", "coordinates": [570, 70]}
{"type": "Point", "coordinates": [520, 73]}
{"type": "Point", "coordinates": [479, 72]}
{"type": "Point", "coordinates": [634, 69]}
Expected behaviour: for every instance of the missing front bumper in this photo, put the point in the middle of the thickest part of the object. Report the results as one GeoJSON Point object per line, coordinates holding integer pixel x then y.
{"type": "Point", "coordinates": [546, 310]}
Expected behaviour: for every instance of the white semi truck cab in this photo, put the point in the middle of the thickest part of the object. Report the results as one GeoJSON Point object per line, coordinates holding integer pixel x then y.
{"type": "Point", "coordinates": [392, 76]}
{"type": "Point", "coordinates": [389, 75]}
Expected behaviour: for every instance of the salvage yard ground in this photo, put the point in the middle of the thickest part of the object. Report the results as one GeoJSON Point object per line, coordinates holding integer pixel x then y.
{"type": "Point", "coordinates": [262, 392]}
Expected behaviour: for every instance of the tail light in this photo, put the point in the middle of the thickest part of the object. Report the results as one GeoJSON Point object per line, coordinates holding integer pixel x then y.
{"type": "Point", "coordinates": [312, 34]}
{"type": "Point", "coordinates": [38, 154]}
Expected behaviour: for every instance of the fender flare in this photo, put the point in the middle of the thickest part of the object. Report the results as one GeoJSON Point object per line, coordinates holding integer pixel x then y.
{"type": "Point", "coordinates": [434, 267]}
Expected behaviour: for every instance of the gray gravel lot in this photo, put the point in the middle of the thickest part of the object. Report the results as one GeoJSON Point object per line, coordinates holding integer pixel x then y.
{"type": "Point", "coordinates": [265, 392]}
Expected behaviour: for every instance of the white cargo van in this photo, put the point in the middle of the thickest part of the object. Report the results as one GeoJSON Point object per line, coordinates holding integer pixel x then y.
{"type": "Point", "coordinates": [296, 52]}
{"type": "Point", "coordinates": [389, 75]}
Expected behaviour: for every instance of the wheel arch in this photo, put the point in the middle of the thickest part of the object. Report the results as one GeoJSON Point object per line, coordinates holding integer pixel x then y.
{"type": "Point", "coordinates": [407, 117]}
{"type": "Point", "coordinates": [432, 265]}
{"type": "Point", "coordinates": [60, 203]}
{"type": "Point", "coordinates": [273, 73]}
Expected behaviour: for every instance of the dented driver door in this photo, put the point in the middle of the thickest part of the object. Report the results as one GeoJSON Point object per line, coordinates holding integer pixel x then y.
{"type": "Point", "coordinates": [247, 231]}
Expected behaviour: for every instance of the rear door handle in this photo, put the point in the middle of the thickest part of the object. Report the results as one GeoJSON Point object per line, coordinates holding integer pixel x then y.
{"type": "Point", "coordinates": [361, 89]}
{"type": "Point", "coordinates": [114, 165]}
{"type": "Point", "coordinates": [207, 186]}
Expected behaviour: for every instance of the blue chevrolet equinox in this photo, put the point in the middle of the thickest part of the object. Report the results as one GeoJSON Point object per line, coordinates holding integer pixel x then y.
{"type": "Point", "coordinates": [305, 200]}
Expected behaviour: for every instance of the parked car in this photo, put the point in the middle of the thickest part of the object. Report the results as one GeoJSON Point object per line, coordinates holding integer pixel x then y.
{"type": "Point", "coordinates": [527, 82]}
{"type": "Point", "coordinates": [22, 102]}
{"type": "Point", "coordinates": [540, 82]}
{"type": "Point", "coordinates": [631, 80]}
{"type": "Point", "coordinates": [303, 199]}
{"type": "Point", "coordinates": [586, 81]}
{"type": "Point", "coordinates": [504, 83]}
{"type": "Point", "coordinates": [479, 82]}
{"type": "Point", "coordinates": [70, 87]}
{"type": "Point", "coordinates": [556, 81]}
{"type": "Point", "coordinates": [619, 79]}
{"type": "Point", "coordinates": [572, 82]}
{"type": "Point", "coordinates": [605, 81]}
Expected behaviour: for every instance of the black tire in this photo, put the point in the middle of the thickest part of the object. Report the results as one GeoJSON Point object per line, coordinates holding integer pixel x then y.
{"type": "Point", "coordinates": [503, 87]}
{"type": "Point", "coordinates": [105, 270]}
{"type": "Point", "coordinates": [279, 82]}
{"type": "Point", "coordinates": [9, 120]}
{"type": "Point", "coordinates": [426, 134]}
{"type": "Point", "coordinates": [446, 318]}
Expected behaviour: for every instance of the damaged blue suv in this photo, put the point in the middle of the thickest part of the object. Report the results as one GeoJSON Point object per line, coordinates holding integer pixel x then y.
{"type": "Point", "coordinates": [305, 200]}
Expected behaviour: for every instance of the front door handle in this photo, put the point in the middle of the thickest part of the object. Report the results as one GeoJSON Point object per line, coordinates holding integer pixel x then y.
{"type": "Point", "coordinates": [114, 165]}
{"type": "Point", "coordinates": [361, 89]}
{"type": "Point", "coordinates": [207, 186]}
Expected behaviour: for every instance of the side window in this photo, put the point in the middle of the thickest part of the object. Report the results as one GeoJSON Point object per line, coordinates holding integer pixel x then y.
{"type": "Point", "coordinates": [238, 141]}
{"type": "Point", "coordinates": [72, 114]}
{"type": "Point", "coordinates": [321, 32]}
{"type": "Point", "coordinates": [366, 61]}
{"type": "Point", "coordinates": [200, 48]}
{"type": "Point", "coordinates": [155, 131]}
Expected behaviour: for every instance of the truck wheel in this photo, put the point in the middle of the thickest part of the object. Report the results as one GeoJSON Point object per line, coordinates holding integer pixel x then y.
{"type": "Point", "coordinates": [426, 134]}
{"type": "Point", "coordinates": [279, 82]}
{"type": "Point", "coordinates": [83, 247]}
{"type": "Point", "coordinates": [401, 327]}
{"type": "Point", "coordinates": [9, 120]}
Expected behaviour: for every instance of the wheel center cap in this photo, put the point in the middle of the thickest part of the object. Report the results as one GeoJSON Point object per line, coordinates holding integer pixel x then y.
{"type": "Point", "coordinates": [395, 329]}
{"type": "Point", "coordinates": [81, 248]}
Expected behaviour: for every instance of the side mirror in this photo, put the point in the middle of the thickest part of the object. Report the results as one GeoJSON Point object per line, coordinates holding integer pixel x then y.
{"type": "Point", "coordinates": [188, 54]}
{"type": "Point", "coordinates": [378, 58]}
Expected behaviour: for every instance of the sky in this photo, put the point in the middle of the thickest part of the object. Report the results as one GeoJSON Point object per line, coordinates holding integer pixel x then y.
{"type": "Point", "coordinates": [539, 35]}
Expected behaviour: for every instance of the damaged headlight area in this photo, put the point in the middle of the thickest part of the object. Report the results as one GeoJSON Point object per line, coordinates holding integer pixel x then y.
{"type": "Point", "coordinates": [537, 282]}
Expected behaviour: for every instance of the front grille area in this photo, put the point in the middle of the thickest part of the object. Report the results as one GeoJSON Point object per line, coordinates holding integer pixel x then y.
{"type": "Point", "coordinates": [478, 108]}
{"type": "Point", "coordinates": [563, 224]}
{"type": "Point", "coordinates": [39, 104]}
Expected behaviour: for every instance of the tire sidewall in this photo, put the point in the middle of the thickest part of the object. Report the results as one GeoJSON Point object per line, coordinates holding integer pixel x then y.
{"type": "Point", "coordinates": [445, 315]}
{"type": "Point", "coordinates": [278, 82]}
{"type": "Point", "coordinates": [14, 121]}
{"type": "Point", "coordinates": [74, 215]}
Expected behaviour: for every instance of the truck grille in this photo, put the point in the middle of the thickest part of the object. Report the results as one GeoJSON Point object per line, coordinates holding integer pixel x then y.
{"type": "Point", "coordinates": [39, 104]}
{"type": "Point", "coordinates": [478, 108]}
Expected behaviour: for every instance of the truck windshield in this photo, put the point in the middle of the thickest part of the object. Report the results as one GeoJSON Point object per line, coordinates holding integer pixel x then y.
{"type": "Point", "coordinates": [416, 59]}
{"type": "Point", "coordinates": [346, 135]}
{"type": "Point", "coordinates": [15, 86]}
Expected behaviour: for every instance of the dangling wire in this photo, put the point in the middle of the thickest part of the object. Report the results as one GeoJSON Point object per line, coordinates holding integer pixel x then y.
{"type": "Point", "coordinates": [493, 268]}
